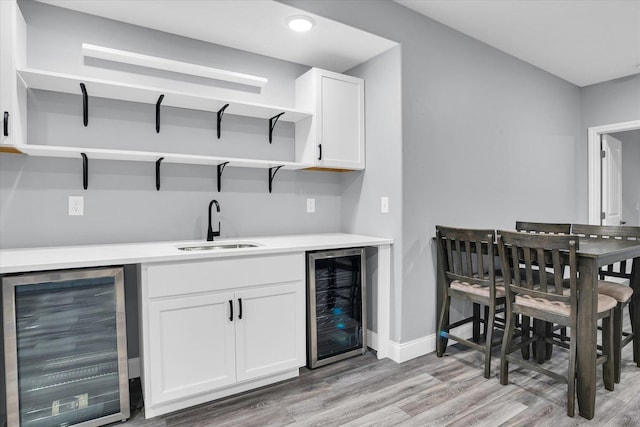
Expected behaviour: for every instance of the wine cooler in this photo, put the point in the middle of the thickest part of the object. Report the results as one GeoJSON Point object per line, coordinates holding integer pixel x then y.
{"type": "Point", "coordinates": [336, 312]}
{"type": "Point", "coordinates": [65, 348]}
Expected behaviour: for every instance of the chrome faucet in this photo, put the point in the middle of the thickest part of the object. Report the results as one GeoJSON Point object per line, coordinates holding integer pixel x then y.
{"type": "Point", "coordinates": [210, 233]}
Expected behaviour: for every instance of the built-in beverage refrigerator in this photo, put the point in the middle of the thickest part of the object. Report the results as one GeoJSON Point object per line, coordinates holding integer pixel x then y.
{"type": "Point", "coordinates": [336, 326]}
{"type": "Point", "coordinates": [65, 348]}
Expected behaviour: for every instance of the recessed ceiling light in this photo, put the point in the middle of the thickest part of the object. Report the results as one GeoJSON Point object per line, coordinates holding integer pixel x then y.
{"type": "Point", "coordinates": [300, 23]}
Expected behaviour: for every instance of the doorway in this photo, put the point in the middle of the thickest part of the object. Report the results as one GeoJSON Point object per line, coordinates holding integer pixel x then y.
{"type": "Point", "coordinates": [595, 188]}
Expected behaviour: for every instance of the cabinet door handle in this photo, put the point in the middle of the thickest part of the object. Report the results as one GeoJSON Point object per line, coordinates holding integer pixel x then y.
{"type": "Point", "coordinates": [319, 151]}
{"type": "Point", "coordinates": [6, 123]}
{"type": "Point", "coordinates": [231, 310]}
{"type": "Point", "coordinates": [240, 308]}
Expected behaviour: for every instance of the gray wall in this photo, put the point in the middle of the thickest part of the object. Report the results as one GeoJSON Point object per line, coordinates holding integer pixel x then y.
{"type": "Point", "coordinates": [630, 176]}
{"type": "Point", "coordinates": [511, 127]}
{"type": "Point", "coordinates": [383, 174]}
{"type": "Point", "coordinates": [121, 204]}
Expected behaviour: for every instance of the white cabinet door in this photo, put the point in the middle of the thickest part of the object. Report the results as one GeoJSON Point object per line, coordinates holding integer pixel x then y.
{"type": "Point", "coordinates": [12, 91]}
{"type": "Point", "coordinates": [341, 123]}
{"type": "Point", "coordinates": [191, 345]}
{"type": "Point", "coordinates": [334, 137]}
{"type": "Point", "coordinates": [271, 333]}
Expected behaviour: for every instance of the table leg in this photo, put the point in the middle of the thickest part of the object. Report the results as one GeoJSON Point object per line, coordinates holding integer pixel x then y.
{"type": "Point", "coordinates": [634, 308]}
{"type": "Point", "coordinates": [587, 336]}
{"type": "Point", "coordinates": [538, 347]}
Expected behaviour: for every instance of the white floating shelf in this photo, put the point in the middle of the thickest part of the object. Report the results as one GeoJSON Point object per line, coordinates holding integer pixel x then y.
{"type": "Point", "coordinates": [149, 156]}
{"type": "Point", "coordinates": [67, 83]}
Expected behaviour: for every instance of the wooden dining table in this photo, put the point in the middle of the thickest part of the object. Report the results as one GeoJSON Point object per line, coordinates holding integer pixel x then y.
{"type": "Point", "coordinates": [593, 254]}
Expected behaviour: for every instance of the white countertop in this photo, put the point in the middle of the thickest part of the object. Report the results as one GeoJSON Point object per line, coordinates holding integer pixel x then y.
{"type": "Point", "coordinates": [61, 257]}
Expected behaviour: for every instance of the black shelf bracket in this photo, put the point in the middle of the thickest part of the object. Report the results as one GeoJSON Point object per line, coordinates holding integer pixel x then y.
{"type": "Point", "coordinates": [158, 113]}
{"type": "Point", "coordinates": [158, 172]}
{"type": "Point", "coordinates": [85, 170]}
{"type": "Point", "coordinates": [272, 123]}
{"type": "Point", "coordinates": [272, 174]}
{"type": "Point", "coordinates": [220, 114]}
{"type": "Point", "coordinates": [220, 170]}
{"type": "Point", "coordinates": [85, 105]}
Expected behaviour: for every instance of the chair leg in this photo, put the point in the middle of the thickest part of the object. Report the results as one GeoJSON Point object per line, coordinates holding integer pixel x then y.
{"type": "Point", "coordinates": [490, 315]}
{"type": "Point", "coordinates": [506, 347]}
{"type": "Point", "coordinates": [571, 375]}
{"type": "Point", "coordinates": [486, 323]}
{"type": "Point", "coordinates": [636, 334]}
{"type": "Point", "coordinates": [608, 368]}
{"type": "Point", "coordinates": [617, 341]}
{"type": "Point", "coordinates": [526, 326]}
{"type": "Point", "coordinates": [476, 322]}
{"type": "Point", "coordinates": [443, 325]}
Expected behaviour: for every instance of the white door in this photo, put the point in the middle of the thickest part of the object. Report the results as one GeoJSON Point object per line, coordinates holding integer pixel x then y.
{"type": "Point", "coordinates": [270, 336]}
{"type": "Point", "coordinates": [611, 180]}
{"type": "Point", "coordinates": [191, 346]}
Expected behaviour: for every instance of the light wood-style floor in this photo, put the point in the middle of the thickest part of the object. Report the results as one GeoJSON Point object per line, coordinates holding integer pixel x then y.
{"type": "Point", "coordinates": [427, 391]}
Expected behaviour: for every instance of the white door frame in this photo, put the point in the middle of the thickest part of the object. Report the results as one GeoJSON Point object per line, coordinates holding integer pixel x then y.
{"type": "Point", "coordinates": [595, 166]}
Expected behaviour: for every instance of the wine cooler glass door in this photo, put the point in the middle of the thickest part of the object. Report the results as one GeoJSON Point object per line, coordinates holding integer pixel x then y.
{"type": "Point", "coordinates": [337, 315]}
{"type": "Point", "coordinates": [66, 347]}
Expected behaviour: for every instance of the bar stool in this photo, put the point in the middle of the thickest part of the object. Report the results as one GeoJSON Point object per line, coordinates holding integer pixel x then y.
{"type": "Point", "coordinates": [467, 268]}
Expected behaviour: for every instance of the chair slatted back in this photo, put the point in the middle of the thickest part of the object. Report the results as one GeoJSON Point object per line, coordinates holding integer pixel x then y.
{"type": "Point", "coordinates": [467, 254]}
{"type": "Point", "coordinates": [620, 232]}
{"type": "Point", "coordinates": [543, 227]}
{"type": "Point", "coordinates": [546, 254]}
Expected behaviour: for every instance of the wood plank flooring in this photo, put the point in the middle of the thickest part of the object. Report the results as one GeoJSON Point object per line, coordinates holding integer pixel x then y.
{"type": "Point", "coordinates": [427, 391]}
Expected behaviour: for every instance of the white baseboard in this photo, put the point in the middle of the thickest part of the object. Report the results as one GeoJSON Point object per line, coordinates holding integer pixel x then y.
{"type": "Point", "coordinates": [402, 352]}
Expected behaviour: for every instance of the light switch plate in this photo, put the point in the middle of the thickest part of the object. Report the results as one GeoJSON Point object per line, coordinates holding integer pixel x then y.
{"type": "Point", "coordinates": [311, 205]}
{"type": "Point", "coordinates": [76, 205]}
{"type": "Point", "coordinates": [384, 205]}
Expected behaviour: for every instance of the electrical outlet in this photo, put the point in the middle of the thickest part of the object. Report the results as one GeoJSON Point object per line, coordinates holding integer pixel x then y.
{"type": "Point", "coordinates": [384, 205]}
{"type": "Point", "coordinates": [76, 205]}
{"type": "Point", "coordinates": [311, 205]}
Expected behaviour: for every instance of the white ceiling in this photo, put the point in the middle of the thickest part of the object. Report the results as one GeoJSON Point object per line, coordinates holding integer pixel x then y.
{"type": "Point", "coordinates": [257, 26]}
{"type": "Point", "coordinates": [582, 41]}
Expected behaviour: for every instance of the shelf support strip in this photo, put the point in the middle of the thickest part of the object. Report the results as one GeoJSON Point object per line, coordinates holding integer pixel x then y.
{"type": "Point", "coordinates": [158, 172]}
{"type": "Point", "coordinates": [158, 113]}
{"type": "Point", "coordinates": [272, 123]}
{"type": "Point", "coordinates": [220, 170]}
{"type": "Point", "coordinates": [220, 114]}
{"type": "Point", "coordinates": [272, 174]}
{"type": "Point", "coordinates": [85, 170]}
{"type": "Point", "coordinates": [85, 104]}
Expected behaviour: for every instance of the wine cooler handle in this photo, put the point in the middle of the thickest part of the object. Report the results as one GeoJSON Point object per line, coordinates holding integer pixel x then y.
{"type": "Point", "coordinates": [6, 123]}
{"type": "Point", "coordinates": [240, 308]}
{"type": "Point", "coordinates": [319, 151]}
{"type": "Point", "coordinates": [231, 310]}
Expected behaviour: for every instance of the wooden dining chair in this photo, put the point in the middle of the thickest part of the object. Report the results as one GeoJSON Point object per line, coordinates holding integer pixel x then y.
{"type": "Point", "coordinates": [549, 302]}
{"type": "Point", "coordinates": [467, 268]}
{"type": "Point", "coordinates": [620, 292]}
{"type": "Point", "coordinates": [541, 228]}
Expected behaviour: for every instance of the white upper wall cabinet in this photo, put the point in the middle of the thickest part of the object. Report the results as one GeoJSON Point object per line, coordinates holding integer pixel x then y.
{"type": "Point", "coordinates": [334, 137]}
{"type": "Point", "coordinates": [13, 103]}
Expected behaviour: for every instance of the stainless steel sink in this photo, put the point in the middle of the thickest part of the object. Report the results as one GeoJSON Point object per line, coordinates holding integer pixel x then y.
{"type": "Point", "coordinates": [217, 246]}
